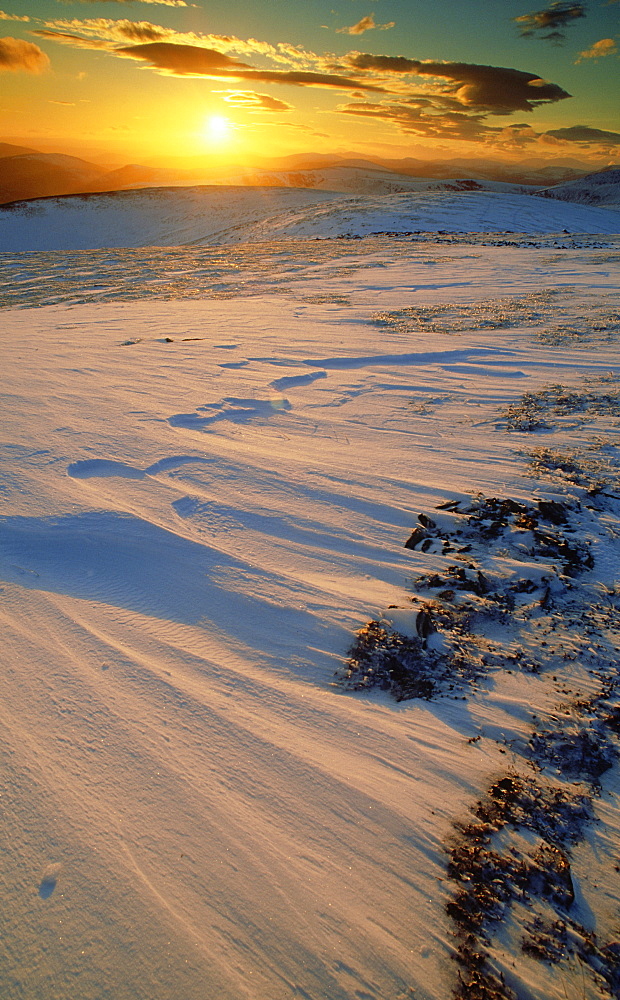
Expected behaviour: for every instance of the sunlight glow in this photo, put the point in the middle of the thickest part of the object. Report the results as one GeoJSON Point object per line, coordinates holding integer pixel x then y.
{"type": "Point", "coordinates": [218, 129]}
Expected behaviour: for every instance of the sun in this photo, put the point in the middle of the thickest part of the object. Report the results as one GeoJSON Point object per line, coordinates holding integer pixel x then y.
{"type": "Point", "coordinates": [217, 129]}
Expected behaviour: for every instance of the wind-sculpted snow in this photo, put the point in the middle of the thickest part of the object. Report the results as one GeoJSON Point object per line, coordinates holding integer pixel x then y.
{"type": "Point", "coordinates": [404, 360]}
{"type": "Point", "coordinates": [299, 267]}
{"type": "Point", "coordinates": [252, 495]}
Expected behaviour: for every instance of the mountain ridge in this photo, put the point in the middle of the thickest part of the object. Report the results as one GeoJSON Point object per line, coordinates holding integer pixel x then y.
{"type": "Point", "coordinates": [27, 173]}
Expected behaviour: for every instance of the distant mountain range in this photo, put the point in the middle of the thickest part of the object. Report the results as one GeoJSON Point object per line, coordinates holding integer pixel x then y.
{"type": "Point", "coordinates": [27, 173]}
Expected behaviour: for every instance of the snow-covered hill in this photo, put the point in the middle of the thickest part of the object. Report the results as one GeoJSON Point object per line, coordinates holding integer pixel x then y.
{"type": "Point", "coordinates": [147, 217]}
{"type": "Point", "coordinates": [224, 215]}
{"type": "Point", "coordinates": [602, 189]}
{"type": "Point", "coordinates": [429, 210]}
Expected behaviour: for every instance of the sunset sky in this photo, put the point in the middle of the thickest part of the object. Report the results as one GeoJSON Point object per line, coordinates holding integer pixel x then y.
{"type": "Point", "coordinates": [148, 80]}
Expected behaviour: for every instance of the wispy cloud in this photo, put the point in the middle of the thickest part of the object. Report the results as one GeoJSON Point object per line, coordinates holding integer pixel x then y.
{"type": "Point", "coordinates": [365, 24]}
{"type": "Point", "coordinates": [16, 55]}
{"type": "Point", "coordinates": [107, 32]}
{"type": "Point", "coordinates": [12, 17]}
{"type": "Point", "coordinates": [551, 22]}
{"type": "Point", "coordinates": [412, 119]}
{"type": "Point", "coordinates": [252, 101]}
{"type": "Point", "coordinates": [115, 30]}
{"type": "Point", "coordinates": [161, 3]}
{"type": "Point", "coordinates": [604, 47]}
{"type": "Point", "coordinates": [296, 126]}
{"type": "Point", "coordinates": [426, 123]}
{"type": "Point", "coordinates": [65, 38]}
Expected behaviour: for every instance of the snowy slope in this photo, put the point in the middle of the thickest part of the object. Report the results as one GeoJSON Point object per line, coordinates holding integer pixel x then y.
{"type": "Point", "coordinates": [602, 189]}
{"type": "Point", "coordinates": [149, 217]}
{"type": "Point", "coordinates": [203, 500]}
{"type": "Point", "coordinates": [221, 215]}
{"type": "Point", "coordinates": [431, 211]}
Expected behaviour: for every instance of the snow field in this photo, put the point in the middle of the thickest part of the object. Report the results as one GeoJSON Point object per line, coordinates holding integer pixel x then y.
{"type": "Point", "coordinates": [203, 501]}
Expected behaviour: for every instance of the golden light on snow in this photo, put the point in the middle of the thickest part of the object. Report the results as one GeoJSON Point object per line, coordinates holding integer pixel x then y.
{"type": "Point", "coordinates": [285, 720]}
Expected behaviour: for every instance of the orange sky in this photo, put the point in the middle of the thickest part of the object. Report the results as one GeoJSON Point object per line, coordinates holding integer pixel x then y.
{"type": "Point", "coordinates": [148, 80]}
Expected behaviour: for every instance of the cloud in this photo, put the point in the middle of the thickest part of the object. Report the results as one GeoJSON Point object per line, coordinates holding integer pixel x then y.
{"type": "Point", "coordinates": [103, 30]}
{"type": "Point", "coordinates": [454, 86]}
{"type": "Point", "coordinates": [192, 60]}
{"type": "Point", "coordinates": [106, 33]}
{"type": "Point", "coordinates": [68, 39]}
{"type": "Point", "coordinates": [428, 98]}
{"type": "Point", "coordinates": [182, 60]}
{"type": "Point", "coordinates": [296, 126]}
{"type": "Point", "coordinates": [517, 135]}
{"type": "Point", "coordinates": [161, 3]}
{"type": "Point", "coordinates": [17, 55]}
{"type": "Point", "coordinates": [551, 22]}
{"type": "Point", "coordinates": [383, 64]}
{"type": "Point", "coordinates": [494, 89]}
{"type": "Point", "coordinates": [123, 30]}
{"type": "Point", "coordinates": [604, 47]}
{"type": "Point", "coordinates": [414, 120]}
{"type": "Point", "coordinates": [297, 78]}
{"type": "Point", "coordinates": [458, 126]}
{"type": "Point", "coordinates": [256, 102]}
{"type": "Point", "coordinates": [139, 31]}
{"type": "Point", "coordinates": [583, 133]}
{"type": "Point", "coordinates": [12, 17]}
{"type": "Point", "coordinates": [366, 24]}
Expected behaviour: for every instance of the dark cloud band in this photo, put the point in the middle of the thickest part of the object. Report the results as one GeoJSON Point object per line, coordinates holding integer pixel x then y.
{"type": "Point", "coordinates": [583, 133]}
{"type": "Point", "coordinates": [192, 60]}
{"type": "Point", "coordinates": [494, 89]}
{"type": "Point", "coordinates": [184, 60]}
{"type": "Point", "coordinates": [550, 22]}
